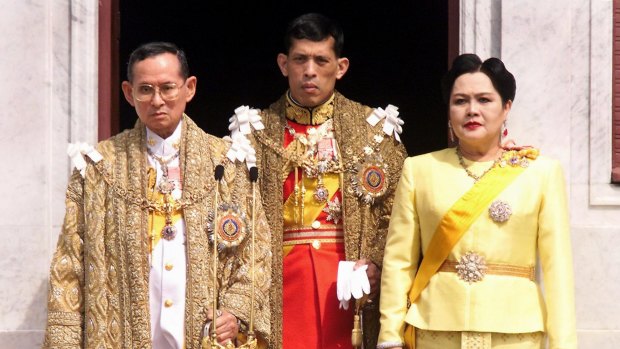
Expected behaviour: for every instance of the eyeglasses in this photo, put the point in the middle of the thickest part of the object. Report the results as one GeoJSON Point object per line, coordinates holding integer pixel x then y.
{"type": "Point", "coordinates": [168, 92]}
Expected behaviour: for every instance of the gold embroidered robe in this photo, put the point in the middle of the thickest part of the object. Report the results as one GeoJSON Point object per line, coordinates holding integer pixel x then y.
{"type": "Point", "coordinates": [365, 225]}
{"type": "Point", "coordinates": [99, 287]}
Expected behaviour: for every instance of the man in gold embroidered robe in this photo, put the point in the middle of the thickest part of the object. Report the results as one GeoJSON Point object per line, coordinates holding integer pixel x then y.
{"type": "Point", "coordinates": [134, 265]}
{"type": "Point", "coordinates": [328, 181]}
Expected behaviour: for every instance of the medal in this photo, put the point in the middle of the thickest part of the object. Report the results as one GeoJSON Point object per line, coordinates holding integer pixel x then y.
{"type": "Point", "coordinates": [169, 232]}
{"type": "Point", "coordinates": [230, 227]}
{"type": "Point", "coordinates": [321, 193]}
{"type": "Point", "coordinates": [166, 186]}
{"type": "Point", "coordinates": [370, 178]}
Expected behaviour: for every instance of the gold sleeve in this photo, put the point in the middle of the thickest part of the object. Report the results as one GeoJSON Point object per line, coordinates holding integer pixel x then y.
{"type": "Point", "coordinates": [556, 258]}
{"type": "Point", "coordinates": [400, 261]}
{"type": "Point", "coordinates": [394, 154]}
{"type": "Point", "coordinates": [65, 300]}
{"type": "Point", "coordinates": [235, 293]}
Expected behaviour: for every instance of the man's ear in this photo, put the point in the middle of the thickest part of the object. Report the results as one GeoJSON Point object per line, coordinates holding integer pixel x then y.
{"type": "Point", "coordinates": [128, 92]}
{"type": "Point", "coordinates": [283, 63]}
{"type": "Point", "coordinates": [343, 66]}
{"type": "Point", "coordinates": [191, 83]}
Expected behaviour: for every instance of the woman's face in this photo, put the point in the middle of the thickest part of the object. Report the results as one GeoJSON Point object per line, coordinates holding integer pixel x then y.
{"type": "Point", "coordinates": [476, 110]}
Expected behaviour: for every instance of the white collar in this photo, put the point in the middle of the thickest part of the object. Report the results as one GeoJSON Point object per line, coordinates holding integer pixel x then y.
{"type": "Point", "coordinates": [164, 147]}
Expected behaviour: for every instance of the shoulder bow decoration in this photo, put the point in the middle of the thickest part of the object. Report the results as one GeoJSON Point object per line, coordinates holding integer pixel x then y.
{"type": "Point", "coordinates": [244, 118]}
{"type": "Point", "coordinates": [241, 150]}
{"type": "Point", "coordinates": [392, 124]}
{"type": "Point", "coordinates": [76, 152]}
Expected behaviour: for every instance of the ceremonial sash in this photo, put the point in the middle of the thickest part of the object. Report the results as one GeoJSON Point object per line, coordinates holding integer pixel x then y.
{"type": "Point", "coordinates": [312, 208]}
{"type": "Point", "coordinates": [454, 224]}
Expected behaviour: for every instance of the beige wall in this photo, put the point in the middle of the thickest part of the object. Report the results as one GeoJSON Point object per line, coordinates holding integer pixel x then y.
{"type": "Point", "coordinates": [48, 98]}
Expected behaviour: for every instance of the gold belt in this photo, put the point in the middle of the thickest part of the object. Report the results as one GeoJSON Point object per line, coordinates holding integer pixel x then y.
{"type": "Point", "coordinates": [315, 237]}
{"type": "Point", "coordinates": [495, 269]}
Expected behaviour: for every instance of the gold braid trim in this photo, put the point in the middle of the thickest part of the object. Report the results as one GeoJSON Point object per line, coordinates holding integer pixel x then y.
{"type": "Point", "coordinates": [309, 116]}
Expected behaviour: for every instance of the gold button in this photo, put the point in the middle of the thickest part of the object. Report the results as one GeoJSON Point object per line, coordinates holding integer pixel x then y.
{"type": "Point", "coordinates": [316, 244]}
{"type": "Point", "coordinates": [169, 266]}
{"type": "Point", "coordinates": [316, 225]}
{"type": "Point", "coordinates": [168, 303]}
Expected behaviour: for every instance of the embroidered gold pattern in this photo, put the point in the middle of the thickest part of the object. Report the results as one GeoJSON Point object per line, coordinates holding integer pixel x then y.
{"type": "Point", "coordinates": [107, 215]}
{"type": "Point", "coordinates": [309, 116]}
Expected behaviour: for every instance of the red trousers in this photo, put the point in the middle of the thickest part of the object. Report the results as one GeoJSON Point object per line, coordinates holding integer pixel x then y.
{"type": "Point", "coordinates": [311, 316]}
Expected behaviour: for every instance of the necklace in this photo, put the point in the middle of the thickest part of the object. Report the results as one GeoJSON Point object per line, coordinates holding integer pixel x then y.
{"type": "Point", "coordinates": [166, 187]}
{"type": "Point", "coordinates": [476, 178]}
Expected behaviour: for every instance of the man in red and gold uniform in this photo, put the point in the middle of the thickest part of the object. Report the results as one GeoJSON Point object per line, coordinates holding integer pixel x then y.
{"type": "Point", "coordinates": [329, 169]}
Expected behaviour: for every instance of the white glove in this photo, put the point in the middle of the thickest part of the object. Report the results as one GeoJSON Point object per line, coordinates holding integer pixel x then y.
{"type": "Point", "coordinates": [351, 283]}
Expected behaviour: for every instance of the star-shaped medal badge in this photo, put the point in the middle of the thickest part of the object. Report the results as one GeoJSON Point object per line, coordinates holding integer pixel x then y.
{"type": "Point", "coordinates": [333, 210]}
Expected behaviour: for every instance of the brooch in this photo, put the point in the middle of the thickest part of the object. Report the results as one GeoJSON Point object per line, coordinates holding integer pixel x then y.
{"type": "Point", "coordinates": [519, 156]}
{"type": "Point", "coordinates": [370, 178]}
{"type": "Point", "coordinates": [500, 211]}
{"type": "Point", "coordinates": [471, 267]}
{"type": "Point", "coordinates": [231, 226]}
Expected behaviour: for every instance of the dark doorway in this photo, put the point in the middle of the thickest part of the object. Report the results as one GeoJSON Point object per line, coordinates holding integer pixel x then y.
{"type": "Point", "coordinates": [398, 52]}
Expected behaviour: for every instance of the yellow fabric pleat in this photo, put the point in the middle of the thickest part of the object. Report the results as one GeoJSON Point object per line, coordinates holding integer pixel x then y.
{"type": "Point", "coordinates": [454, 225]}
{"type": "Point", "coordinates": [312, 208]}
{"type": "Point", "coordinates": [409, 336]}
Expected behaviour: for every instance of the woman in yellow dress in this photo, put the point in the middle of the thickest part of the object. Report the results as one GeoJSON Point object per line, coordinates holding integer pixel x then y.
{"type": "Point", "coordinates": [467, 226]}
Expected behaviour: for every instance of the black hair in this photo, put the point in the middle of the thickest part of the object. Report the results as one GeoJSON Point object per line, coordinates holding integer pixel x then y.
{"type": "Point", "coordinates": [314, 27]}
{"type": "Point", "coordinates": [503, 81]}
{"type": "Point", "coordinates": [152, 49]}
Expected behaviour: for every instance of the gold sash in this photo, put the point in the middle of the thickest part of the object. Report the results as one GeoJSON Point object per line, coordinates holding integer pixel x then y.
{"type": "Point", "coordinates": [312, 208]}
{"type": "Point", "coordinates": [454, 225]}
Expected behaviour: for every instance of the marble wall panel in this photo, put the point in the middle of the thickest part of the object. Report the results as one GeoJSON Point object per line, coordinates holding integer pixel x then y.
{"type": "Point", "coordinates": [24, 95]}
{"type": "Point", "coordinates": [535, 48]}
{"type": "Point", "coordinates": [480, 32]}
{"type": "Point", "coordinates": [24, 273]}
{"type": "Point", "coordinates": [579, 92]}
{"type": "Point", "coordinates": [21, 339]}
{"type": "Point", "coordinates": [35, 120]}
{"type": "Point", "coordinates": [597, 277]}
{"type": "Point", "coordinates": [60, 107]}
{"type": "Point", "coordinates": [599, 339]}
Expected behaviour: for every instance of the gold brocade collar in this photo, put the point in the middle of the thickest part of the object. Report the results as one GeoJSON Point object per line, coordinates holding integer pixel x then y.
{"type": "Point", "coordinates": [309, 116]}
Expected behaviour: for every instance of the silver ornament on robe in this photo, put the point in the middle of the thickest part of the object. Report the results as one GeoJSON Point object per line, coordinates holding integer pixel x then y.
{"type": "Point", "coordinates": [500, 211]}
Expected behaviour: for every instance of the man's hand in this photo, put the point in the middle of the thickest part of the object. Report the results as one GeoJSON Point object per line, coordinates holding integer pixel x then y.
{"type": "Point", "coordinates": [226, 325]}
{"type": "Point", "coordinates": [374, 276]}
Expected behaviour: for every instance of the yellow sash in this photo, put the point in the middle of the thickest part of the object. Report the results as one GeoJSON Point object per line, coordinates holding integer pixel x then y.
{"type": "Point", "coordinates": [312, 208]}
{"type": "Point", "coordinates": [454, 225]}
